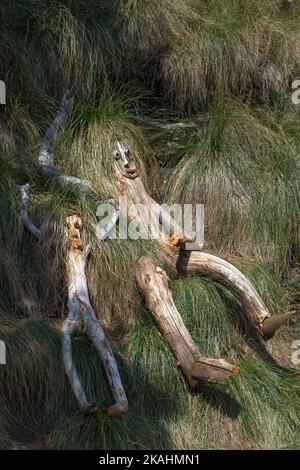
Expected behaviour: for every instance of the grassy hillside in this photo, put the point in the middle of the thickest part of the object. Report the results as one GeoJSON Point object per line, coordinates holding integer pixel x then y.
{"type": "Point", "coordinates": [135, 68]}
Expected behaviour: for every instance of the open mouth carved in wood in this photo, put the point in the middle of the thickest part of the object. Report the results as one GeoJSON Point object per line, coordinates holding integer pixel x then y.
{"type": "Point", "coordinates": [124, 161]}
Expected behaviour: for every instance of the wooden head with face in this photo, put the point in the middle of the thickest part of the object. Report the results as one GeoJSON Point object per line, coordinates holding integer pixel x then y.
{"type": "Point", "coordinates": [73, 231]}
{"type": "Point", "coordinates": [123, 161]}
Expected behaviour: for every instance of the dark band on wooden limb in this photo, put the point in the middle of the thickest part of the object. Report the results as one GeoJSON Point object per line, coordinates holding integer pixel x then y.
{"type": "Point", "coordinates": [272, 324]}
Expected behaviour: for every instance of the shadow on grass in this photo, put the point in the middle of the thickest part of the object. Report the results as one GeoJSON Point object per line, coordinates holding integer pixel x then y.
{"type": "Point", "coordinates": [218, 399]}
{"type": "Point", "coordinates": [250, 334]}
{"type": "Point", "coordinates": [144, 426]}
{"type": "Point", "coordinates": [37, 400]}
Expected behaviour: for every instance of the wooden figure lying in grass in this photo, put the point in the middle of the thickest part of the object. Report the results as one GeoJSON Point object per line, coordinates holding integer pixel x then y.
{"type": "Point", "coordinates": [151, 278]}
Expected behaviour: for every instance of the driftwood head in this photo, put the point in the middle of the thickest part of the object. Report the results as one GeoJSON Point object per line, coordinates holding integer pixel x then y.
{"type": "Point", "coordinates": [123, 160]}
{"type": "Point", "coordinates": [73, 231]}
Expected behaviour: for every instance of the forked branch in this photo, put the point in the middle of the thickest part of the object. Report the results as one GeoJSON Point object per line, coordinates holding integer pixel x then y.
{"type": "Point", "coordinates": [81, 317]}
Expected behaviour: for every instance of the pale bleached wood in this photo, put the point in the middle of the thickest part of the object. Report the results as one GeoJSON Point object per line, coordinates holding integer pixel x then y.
{"type": "Point", "coordinates": [48, 168]}
{"type": "Point", "coordinates": [25, 195]}
{"type": "Point", "coordinates": [227, 275]}
{"type": "Point", "coordinates": [153, 284]}
{"type": "Point", "coordinates": [46, 155]}
{"type": "Point", "coordinates": [68, 329]}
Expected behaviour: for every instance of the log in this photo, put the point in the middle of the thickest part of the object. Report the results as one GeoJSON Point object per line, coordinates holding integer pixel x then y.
{"type": "Point", "coordinates": [153, 285]}
{"type": "Point", "coordinates": [174, 242]}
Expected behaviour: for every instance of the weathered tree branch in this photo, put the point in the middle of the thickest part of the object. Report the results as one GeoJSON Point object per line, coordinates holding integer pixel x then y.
{"type": "Point", "coordinates": [227, 275]}
{"type": "Point", "coordinates": [177, 125]}
{"type": "Point", "coordinates": [153, 284]}
{"type": "Point", "coordinates": [47, 166]}
{"type": "Point", "coordinates": [231, 278]}
{"type": "Point", "coordinates": [68, 329]}
{"type": "Point", "coordinates": [46, 156]}
{"type": "Point", "coordinates": [25, 194]}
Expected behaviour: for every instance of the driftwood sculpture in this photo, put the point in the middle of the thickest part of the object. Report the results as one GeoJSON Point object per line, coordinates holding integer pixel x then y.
{"type": "Point", "coordinates": [81, 316]}
{"type": "Point", "coordinates": [151, 278]}
{"type": "Point", "coordinates": [153, 283]}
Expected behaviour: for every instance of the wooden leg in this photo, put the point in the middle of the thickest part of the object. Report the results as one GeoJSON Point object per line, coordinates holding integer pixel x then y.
{"type": "Point", "coordinates": [68, 328]}
{"type": "Point", "coordinates": [236, 282]}
{"type": "Point", "coordinates": [153, 284]}
{"type": "Point", "coordinates": [98, 339]}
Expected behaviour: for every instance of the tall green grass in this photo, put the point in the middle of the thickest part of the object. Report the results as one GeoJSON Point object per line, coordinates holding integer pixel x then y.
{"type": "Point", "coordinates": [241, 164]}
{"type": "Point", "coordinates": [136, 68]}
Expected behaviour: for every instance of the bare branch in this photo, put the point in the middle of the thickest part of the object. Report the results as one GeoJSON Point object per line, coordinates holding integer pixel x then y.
{"type": "Point", "coordinates": [46, 156]}
{"type": "Point", "coordinates": [67, 330]}
{"type": "Point", "coordinates": [25, 194]}
{"type": "Point", "coordinates": [184, 261]}
{"type": "Point", "coordinates": [178, 125]}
